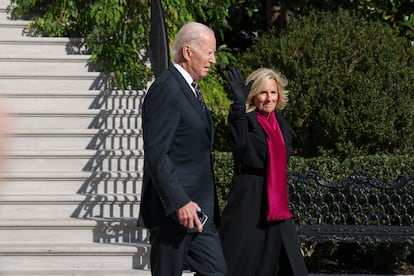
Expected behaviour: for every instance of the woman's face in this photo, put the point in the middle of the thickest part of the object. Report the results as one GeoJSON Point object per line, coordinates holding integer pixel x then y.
{"type": "Point", "coordinates": [266, 100]}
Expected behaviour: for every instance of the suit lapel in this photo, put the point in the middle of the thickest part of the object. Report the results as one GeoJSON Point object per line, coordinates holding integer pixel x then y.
{"type": "Point", "coordinates": [189, 94]}
{"type": "Point", "coordinates": [210, 126]}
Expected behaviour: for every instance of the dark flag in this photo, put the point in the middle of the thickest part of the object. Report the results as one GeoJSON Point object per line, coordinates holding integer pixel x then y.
{"type": "Point", "coordinates": [159, 49]}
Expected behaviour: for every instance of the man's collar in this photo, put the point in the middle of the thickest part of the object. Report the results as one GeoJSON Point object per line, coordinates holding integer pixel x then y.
{"type": "Point", "coordinates": [183, 72]}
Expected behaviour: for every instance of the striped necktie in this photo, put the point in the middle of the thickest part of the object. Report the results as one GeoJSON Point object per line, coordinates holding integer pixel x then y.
{"type": "Point", "coordinates": [199, 96]}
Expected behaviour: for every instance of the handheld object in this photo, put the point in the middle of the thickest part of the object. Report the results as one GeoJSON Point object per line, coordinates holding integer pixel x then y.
{"type": "Point", "coordinates": [203, 217]}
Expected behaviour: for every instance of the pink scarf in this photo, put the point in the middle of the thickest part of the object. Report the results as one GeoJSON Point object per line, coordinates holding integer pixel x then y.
{"type": "Point", "coordinates": [277, 193]}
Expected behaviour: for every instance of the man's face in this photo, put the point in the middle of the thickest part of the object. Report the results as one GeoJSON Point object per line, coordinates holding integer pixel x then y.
{"type": "Point", "coordinates": [202, 56]}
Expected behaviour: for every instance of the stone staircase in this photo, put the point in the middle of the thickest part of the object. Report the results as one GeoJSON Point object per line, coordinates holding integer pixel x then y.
{"type": "Point", "coordinates": [71, 167]}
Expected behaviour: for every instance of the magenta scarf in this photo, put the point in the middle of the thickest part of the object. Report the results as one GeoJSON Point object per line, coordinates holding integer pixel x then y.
{"type": "Point", "coordinates": [277, 193]}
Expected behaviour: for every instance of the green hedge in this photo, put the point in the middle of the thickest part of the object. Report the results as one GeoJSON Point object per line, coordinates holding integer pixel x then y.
{"type": "Point", "coordinates": [350, 82]}
{"type": "Point", "coordinates": [384, 167]}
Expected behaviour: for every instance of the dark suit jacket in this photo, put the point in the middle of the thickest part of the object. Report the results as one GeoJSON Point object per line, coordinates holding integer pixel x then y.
{"type": "Point", "coordinates": [178, 145]}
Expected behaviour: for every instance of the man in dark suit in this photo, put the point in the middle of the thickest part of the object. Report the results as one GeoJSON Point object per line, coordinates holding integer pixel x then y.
{"type": "Point", "coordinates": [178, 169]}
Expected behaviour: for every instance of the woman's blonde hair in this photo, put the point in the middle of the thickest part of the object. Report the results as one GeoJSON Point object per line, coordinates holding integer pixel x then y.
{"type": "Point", "coordinates": [260, 78]}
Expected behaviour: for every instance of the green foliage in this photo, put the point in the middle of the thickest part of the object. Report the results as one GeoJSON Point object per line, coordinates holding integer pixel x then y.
{"type": "Point", "coordinates": [218, 104]}
{"type": "Point", "coordinates": [223, 172]}
{"type": "Point", "coordinates": [350, 82]}
{"type": "Point", "coordinates": [249, 18]}
{"type": "Point", "coordinates": [119, 39]}
{"type": "Point", "coordinates": [399, 14]}
{"type": "Point", "coordinates": [117, 36]}
{"type": "Point", "coordinates": [383, 255]}
{"type": "Point", "coordinates": [333, 257]}
{"type": "Point", "coordinates": [384, 167]}
{"type": "Point", "coordinates": [213, 13]}
{"type": "Point", "coordinates": [56, 18]}
{"type": "Point", "coordinates": [116, 31]}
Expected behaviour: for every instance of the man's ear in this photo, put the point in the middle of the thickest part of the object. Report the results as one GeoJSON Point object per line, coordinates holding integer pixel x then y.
{"type": "Point", "coordinates": [186, 52]}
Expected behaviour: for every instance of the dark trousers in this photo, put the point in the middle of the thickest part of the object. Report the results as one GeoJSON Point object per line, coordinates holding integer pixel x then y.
{"type": "Point", "coordinates": [200, 252]}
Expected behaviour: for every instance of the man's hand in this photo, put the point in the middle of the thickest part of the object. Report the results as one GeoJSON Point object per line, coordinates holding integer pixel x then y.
{"type": "Point", "coordinates": [187, 215]}
{"type": "Point", "coordinates": [240, 90]}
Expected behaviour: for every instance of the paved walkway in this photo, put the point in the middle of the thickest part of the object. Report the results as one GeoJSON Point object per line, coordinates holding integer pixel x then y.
{"type": "Point", "coordinates": [136, 272]}
{"type": "Point", "coordinates": [148, 273]}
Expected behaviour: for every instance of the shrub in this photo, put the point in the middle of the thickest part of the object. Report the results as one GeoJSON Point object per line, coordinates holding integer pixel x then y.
{"type": "Point", "coordinates": [218, 104]}
{"type": "Point", "coordinates": [384, 167]}
{"type": "Point", "coordinates": [350, 81]}
{"type": "Point", "coordinates": [223, 173]}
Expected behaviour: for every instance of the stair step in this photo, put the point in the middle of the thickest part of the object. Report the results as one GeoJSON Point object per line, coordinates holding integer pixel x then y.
{"type": "Point", "coordinates": [83, 160]}
{"type": "Point", "coordinates": [48, 206]}
{"type": "Point", "coordinates": [119, 230]}
{"type": "Point", "coordinates": [68, 198]}
{"type": "Point", "coordinates": [51, 110]}
{"type": "Point", "coordinates": [92, 272]}
{"type": "Point", "coordinates": [66, 64]}
{"type": "Point", "coordinates": [5, 3]}
{"type": "Point", "coordinates": [5, 11]}
{"type": "Point", "coordinates": [41, 45]}
{"type": "Point", "coordinates": [82, 100]}
{"type": "Point", "coordinates": [3, 14]}
{"type": "Point", "coordinates": [71, 176]}
{"type": "Point", "coordinates": [88, 119]}
{"type": "Point", "coordinates": [102, 230]}
{"type": "Point", "coordinates": [14, 28]}
{"type": "Point", "coordinates": [65, 256]}
{"type": "Point", "coordinates": [36, 183]}
{"type": "Point", "coordinates": [63, 139]}
{"type": "Point", "coordinates": [46, 230]}
{"type": "Point", "coordinates": [105, 94]}
{"type": "Point", "coordinates": [88, 81]}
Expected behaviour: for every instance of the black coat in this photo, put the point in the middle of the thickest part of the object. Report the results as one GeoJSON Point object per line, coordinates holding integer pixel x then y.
{"type": "Point", "coordinates": [178, 145]}
{"type": "Point", "coordinates": [253, 246]}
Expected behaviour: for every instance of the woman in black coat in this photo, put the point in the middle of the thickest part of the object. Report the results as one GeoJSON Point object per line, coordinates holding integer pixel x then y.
{"type": "Point", "coordinates": [258, 234]}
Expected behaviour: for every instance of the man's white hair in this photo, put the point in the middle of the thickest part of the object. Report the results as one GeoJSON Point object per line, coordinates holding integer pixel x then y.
{"type": "Point", "coordinates": [189, 33]}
